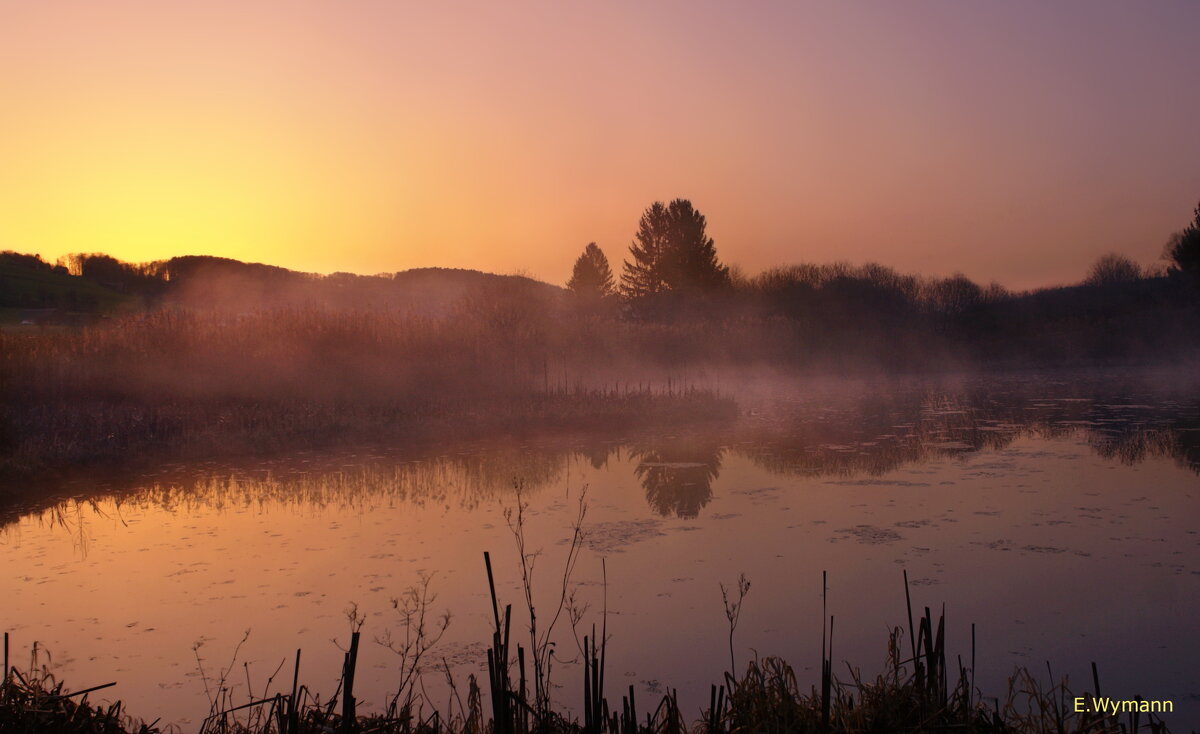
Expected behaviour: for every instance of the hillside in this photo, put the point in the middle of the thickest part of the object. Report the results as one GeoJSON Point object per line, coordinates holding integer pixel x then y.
{"type": "Point", "coordinates": [31, 289]}
{"type": "Point", "coordinates": [213, 283]}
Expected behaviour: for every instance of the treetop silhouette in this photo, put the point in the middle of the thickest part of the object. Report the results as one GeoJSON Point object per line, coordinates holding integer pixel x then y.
{"type": "Point", "coordinates": [592, 277]}
{"type": "Point", "coordinates": [1183, 249]}
{"type": "Point", "coordinates": [672, 253]}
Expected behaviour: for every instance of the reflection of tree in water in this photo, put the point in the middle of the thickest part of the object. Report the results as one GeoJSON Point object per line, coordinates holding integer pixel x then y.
{"type": "Point", "coordinates": [463, 479]}
{"type": "Point", "coordinates": [1133, 441]}
{"type": "Point", "coordinates": [864, 434]}
{"type": "Point", "coordinates": [872, 435]}
{"type": "Point", "coordinates": [677, 474]}
{"type": "Point", "coordinates": [597, 454]}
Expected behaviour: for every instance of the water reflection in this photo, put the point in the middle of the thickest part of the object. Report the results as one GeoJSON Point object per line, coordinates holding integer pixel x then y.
{"type": "Point", "coordinates": [876, 435]}
{"type": "Point", "coordinates": [848, 434]}
{"type": "Point", "coordinates": [858, 481]}
{"type": "Point", "coordinates": [597, 453]}
{"type": "Point", "coordinates": [677, 474]}
{"type": "Point", "coordinates": [463, 480]}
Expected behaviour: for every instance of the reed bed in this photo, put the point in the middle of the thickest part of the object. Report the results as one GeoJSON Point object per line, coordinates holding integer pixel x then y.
{"type": "Point", "coordinates": [920, 690]}
{"type": "Point", "coordinates": [34, 702]}
{"type": "Point", "coordinates": [181, 384]}
{"type": "Point", "coordinates": [189, 383]}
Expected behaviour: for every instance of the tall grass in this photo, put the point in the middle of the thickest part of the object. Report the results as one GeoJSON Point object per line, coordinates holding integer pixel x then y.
{"type": "Point", "coordinates": [918, 690]}
{"type": "Point", "coordinates": [195, 384]}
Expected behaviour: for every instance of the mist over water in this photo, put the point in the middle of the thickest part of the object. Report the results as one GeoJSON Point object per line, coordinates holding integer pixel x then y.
{"type": "Point", "coordinates": [208, 463]}
{"type": "Point", "coordinates": [1053, 511]}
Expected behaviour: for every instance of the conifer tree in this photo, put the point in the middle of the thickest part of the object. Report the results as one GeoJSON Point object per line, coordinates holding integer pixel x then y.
{"type": "Point", "coordinates": [592, 277]}
{"type": "Point", "coordinates": [1183, 249]}
{"type": "Point", "coordinates": [672, 253]}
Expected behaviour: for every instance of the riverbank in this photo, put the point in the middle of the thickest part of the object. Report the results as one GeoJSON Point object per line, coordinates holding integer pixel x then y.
{"type": "Point", "coordinates": [48, 441]}
{"type": "Point", "coordinates": [919, 690]}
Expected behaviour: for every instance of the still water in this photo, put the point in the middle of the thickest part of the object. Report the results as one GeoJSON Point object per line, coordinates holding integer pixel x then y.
{"type": "Point", "coordinates": [1059, 516]}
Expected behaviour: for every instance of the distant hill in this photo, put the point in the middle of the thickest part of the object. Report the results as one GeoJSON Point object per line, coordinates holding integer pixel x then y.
{"type": "Point", "coordinates": [206, 282]}
{"type": "Point", "coordinates": [29, 284]}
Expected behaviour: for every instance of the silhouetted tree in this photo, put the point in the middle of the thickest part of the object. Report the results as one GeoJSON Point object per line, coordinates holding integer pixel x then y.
{"type": "Point", "coordinates": [113, 273]}
{"type": "Point", "coordinates": [953, 296]}
{"type": "Point", "coordinates": [592, 277]}
{"type": "Point", "coordinates": [1111, 269]}
{"type": "Point", "coordinates": [672, 253]}
{"type": "Point", "coordinates": [1183, 249]}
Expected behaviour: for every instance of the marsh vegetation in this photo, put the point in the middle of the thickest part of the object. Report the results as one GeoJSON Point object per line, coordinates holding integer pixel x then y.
{"type": "Point", "coordinates": [346, 434]}
{"type": "Point", "coordinates": [1052, 477]}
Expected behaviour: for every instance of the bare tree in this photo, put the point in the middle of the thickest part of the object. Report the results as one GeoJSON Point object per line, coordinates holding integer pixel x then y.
{"type": "Point", "coordinates": [1113, 268]}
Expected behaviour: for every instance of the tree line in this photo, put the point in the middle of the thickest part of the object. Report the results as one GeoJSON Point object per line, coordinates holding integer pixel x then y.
{"type": "Point", "coordinates": [672, 258]}
{"type": "Point", "coordinates": [671, 255]}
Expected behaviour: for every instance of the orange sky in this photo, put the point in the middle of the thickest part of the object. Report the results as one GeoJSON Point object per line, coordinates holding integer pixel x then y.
{"type": "Point", "coordinates": [1013, 141]}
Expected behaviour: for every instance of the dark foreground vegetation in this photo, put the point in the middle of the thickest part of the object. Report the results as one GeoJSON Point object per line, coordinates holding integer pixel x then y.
{"type": "Point", "coordinates": [920, 689]}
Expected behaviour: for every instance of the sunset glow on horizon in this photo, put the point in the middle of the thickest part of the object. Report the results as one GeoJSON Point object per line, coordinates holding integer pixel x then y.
{"type": "Point", "coordinates": [1014, 142]}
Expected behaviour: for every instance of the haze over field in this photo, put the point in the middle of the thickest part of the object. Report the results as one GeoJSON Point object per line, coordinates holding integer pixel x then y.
{"type": "Point", "coordinates": [1011, 141]}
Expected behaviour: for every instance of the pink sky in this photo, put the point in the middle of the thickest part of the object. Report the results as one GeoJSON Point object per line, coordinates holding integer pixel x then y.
{"type": "Point", "coordinates": [1011, 141]}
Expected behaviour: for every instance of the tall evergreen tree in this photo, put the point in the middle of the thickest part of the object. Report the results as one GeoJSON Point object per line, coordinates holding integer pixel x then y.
{"type": "Point", "coordinates": [592, 277]}
{"type": "Point", "coordinates": [1183, 249]}
{"type": "Point", "coordinates": [672, 253]}
{"type": "Point", "coordinates": [643, 274]}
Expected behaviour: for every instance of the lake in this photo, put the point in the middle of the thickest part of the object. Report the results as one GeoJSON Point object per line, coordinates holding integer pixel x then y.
{"type": "Point", "coordinates": [1058, 514]}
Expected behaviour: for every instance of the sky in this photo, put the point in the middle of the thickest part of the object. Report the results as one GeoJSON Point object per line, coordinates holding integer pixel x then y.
{"type": "Point", "coordinates": [1011, 141]}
